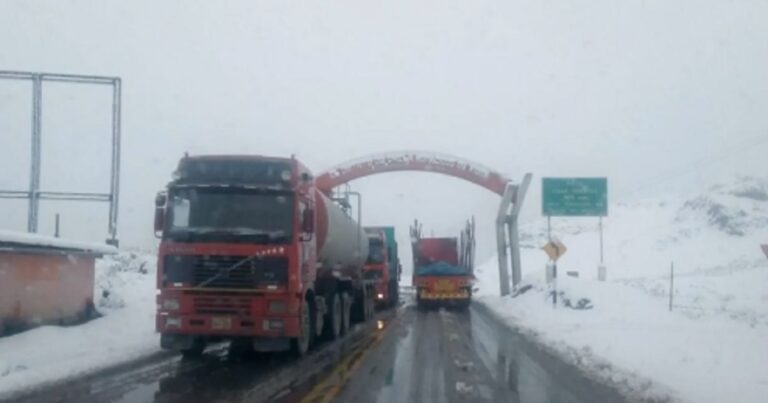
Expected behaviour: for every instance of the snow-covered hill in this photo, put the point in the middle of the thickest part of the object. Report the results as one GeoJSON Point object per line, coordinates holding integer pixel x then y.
{"type": "Point", "coordinates": [722, 226]}
{"type": "Point", "coordinates": [710, 348]}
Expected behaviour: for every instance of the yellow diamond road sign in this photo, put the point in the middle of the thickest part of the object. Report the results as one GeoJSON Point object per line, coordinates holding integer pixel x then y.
{"type": "Point", "coordinates": [555, 249]}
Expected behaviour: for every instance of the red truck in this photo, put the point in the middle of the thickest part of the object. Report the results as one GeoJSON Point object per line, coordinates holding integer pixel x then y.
{"type": "Point", "coordinates": [251, 251]}
{"type": "Point", "coordinates": [383, 265]}
{"type": "Point", "coordinates": [443, 268]}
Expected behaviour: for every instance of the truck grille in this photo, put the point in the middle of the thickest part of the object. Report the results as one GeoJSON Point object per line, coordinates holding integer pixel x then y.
{"type": "Point", "coordinates": [258, 272]}
{"type": "Point", "coordinates": [217, 305]}
{"type": "Point", "coordinates": [214, 271]}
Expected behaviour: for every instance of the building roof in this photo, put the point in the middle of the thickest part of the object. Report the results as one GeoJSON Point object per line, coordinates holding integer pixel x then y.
{"type": "Point", "coordinates": [13, 240]}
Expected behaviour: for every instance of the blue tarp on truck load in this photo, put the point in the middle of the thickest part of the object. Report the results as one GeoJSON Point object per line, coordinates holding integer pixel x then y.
{"type": "Point", "coordinates": [441, 269]}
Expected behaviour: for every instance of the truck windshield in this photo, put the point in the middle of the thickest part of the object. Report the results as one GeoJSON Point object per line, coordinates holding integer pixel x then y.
{"type": "Point", "coordinates": [230, 214]}
{"type": "Point", "coordinates": [375, 251]}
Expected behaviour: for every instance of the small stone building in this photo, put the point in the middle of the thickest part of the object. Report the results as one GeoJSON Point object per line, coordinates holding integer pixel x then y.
{"type": "Point", "coordinates": [46, 280]}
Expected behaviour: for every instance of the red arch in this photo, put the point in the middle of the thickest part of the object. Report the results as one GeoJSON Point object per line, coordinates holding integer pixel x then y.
{"type": "Point", "coordinates": [412, 161]}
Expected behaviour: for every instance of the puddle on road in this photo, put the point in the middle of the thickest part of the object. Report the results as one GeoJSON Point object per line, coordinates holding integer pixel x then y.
{"type": "Point", "coordinates": [397, 371]}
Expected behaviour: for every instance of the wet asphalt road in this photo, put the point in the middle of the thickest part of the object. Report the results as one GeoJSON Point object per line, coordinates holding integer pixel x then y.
{"type": "Point", "coordinates": [404, 356]}
{"type": "Point", "coordinates": [169, 380]}
{"type": "Point", "coordinates": [216, 377]}
{"type": "Point", "coordinates": [464, 356]}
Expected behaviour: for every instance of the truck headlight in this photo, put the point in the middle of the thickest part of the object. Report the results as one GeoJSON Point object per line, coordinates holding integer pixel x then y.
{"type": "Point", "coordinates": [380, 296]}
{"type": "Point", "coordinates": [171, 304]}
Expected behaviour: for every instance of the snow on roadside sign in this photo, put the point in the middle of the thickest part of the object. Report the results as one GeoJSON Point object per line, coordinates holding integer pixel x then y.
{"type": "Point", "coordinates": [765, 249]}
{"type": "Point", "coordinates": [555, 249]}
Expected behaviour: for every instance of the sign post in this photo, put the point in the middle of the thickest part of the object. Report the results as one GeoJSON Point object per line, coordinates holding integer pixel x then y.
{"type": "Point", "coordinates": [576, 197]}
{"type": "Point", "coordinates": [554, 249]}
{"type": "Point", "coordinates": [601, 269]}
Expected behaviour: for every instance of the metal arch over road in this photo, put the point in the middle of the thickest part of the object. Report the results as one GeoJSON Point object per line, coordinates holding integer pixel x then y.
{"type": "Point", "coordinates": [512, 195]}
{"type": "Point", "coordinates": [413, 161]}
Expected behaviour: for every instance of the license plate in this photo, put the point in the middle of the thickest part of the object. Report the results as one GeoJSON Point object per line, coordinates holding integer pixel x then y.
{"type": "Point", "coordinates": [221, 323]}
{"type": "Point", "coordinates": [444, 285]}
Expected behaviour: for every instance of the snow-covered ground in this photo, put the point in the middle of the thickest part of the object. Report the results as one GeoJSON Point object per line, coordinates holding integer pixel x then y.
{"type": "Point", "coordinates": [713, 346]}
{"type": "Point", "coordinates": [125, 295]}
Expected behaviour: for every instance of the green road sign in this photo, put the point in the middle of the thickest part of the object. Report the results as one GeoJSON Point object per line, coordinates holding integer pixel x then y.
{"type": "Point", "coordinates": [574, 196]}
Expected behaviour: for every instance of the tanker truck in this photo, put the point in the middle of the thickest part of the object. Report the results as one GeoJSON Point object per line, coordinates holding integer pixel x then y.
{"type": "Point", "coordinates": [252, 252]}
{"type": "Point", "coordinates": [443, 268]}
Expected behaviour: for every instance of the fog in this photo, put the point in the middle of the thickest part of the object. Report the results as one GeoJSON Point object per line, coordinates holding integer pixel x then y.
{"type": "Point", "coordinates": [658, 96]}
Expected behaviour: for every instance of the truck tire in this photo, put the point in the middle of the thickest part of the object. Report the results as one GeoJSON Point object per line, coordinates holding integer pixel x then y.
{"type": "Point", "coordinates": [332, 328]}
{"type": "Point", "coordinates": [370, 305]}
{"type": "Point", "coordinates": [300, 345]}
{"type": "Point", "coordinates": [395, 295]}
{"type": "Point", "coordinates": [346, 312]}
{"type": "Point", "coordinates": [359, 306]}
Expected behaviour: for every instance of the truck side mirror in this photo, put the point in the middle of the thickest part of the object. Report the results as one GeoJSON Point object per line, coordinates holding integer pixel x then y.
{"type": "Point", "coordinates": [160, 202]}
{"type": "Point", "coordinates": [308, 221]}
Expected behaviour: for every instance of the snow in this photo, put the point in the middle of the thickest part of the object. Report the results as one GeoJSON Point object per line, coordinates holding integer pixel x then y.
{"type": "Point", "coordinates": [28, 239]}
{"type": "Point", "coordinates": [124, 289]}
{"type": "Point", "coordinates": [712, 347]}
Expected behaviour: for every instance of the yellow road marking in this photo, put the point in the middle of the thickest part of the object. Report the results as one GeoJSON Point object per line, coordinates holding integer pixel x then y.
{"type": "Point", "coordinates": [330, 387]}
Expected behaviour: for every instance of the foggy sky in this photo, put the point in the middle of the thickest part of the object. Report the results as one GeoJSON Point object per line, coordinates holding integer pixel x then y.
{"type": "Point", "coordinates": [657, 95]}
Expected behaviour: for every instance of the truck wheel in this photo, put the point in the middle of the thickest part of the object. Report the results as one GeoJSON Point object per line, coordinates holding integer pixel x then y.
{"type": "Point", "coordinates": [346, 322]}
{"type": "Point", "coordinates": [346, 312]}
{"type": "Point", "coordinates": [332, 329]}
{"type": "Point", "coordinates": [395, 298]}
{"type": "Point", "coordinates": [370, 307]}
{"type": "Point", "coordinates": [359, 306]}
{"type": "Point", "coordinates": [300, 345]}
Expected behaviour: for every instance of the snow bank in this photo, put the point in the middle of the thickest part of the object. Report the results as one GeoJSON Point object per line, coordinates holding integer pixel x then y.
{"type": "Point", "coordinates": [713, 346]}
{"type": "Point", "coordinates": [28, 239]}
{"type": "Point", "coordinates": [125, 294]}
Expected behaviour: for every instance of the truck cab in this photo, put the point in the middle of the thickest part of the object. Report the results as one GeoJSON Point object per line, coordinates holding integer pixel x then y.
{"type": "Point", "coordinates": [244, 257]}
{"type": "Point", "coordinates": [232, 235]}
{"type": "Point", "coordinates": [383, 265]}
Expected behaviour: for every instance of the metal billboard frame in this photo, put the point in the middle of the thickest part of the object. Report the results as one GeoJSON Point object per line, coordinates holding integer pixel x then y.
{"type": "Point", "coordinates": [34, 194]}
